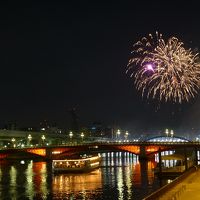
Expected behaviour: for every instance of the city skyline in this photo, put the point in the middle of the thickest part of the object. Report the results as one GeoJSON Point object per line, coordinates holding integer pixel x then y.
{"type": "Point", "coordinates": [57, 56]}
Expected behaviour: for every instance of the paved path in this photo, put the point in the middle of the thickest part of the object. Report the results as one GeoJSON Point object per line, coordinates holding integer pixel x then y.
{"type": "Point", "coordinates": [188, 189]}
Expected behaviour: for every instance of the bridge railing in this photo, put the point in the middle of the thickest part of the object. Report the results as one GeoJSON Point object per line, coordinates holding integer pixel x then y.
{"type": "Point", "coordinates": [139, 143]}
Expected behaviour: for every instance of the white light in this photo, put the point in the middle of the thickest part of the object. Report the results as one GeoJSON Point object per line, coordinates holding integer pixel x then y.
{"type": "Point", "coordinates": [22, 162]}
{"type": "Point", "coordinates": [70, 134]}
{"type": "Point", "coordinates": [82, 135]}
{"type": "Point", "coordinates": [29, 137]}
{"type": "Point", "coordinates": [13, 139]}
{"type": "Point", "coordinates": [171, 133]}
{"type": "Point", "coordinates": [43, 137]}
{"type": "Point", "coordinates": [56, 152]}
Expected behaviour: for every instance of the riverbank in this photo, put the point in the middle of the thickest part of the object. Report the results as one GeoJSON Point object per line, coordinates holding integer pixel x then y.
{"type": "Point", "coordinates": [184, 187]}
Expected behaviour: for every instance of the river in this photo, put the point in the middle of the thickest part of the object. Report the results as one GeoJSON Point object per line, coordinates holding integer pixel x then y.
{"type": "Point", "coordinates": [120, 177]}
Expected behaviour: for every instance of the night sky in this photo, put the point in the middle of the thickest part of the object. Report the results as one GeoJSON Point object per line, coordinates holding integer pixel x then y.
{"type": "Point", "coordinates": [57, 55]}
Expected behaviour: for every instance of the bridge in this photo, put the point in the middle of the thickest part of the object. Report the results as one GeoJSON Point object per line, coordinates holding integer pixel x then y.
{"type": "Point", "coordinates": [58, 147]}
{"type": "Point", "coordinates": [142, 149]}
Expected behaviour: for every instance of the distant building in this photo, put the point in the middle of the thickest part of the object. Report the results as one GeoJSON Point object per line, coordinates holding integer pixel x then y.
{"type": "Point", "coordinates": [44, 125]}
{"type": "Point", "coordinates": [11, 125]}
{"type": "Point", "coordinates": [98, 130]}
{"type": "Point", "coordinates": [95, 129]}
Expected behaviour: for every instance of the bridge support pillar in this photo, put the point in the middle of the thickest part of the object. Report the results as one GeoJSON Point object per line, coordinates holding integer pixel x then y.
{"type": "Point", "coordinates": [160, 161]}
{"type": "Point", "coordinates": [144, 174]}
{"type": "Point", "coordinates": [142, 155]}
{"type": "Point", "coordinates": [48, 153]}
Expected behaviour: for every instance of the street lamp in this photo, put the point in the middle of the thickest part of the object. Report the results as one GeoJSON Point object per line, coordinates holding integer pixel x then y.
{"type": "Point", "coordinates": [172, 133]}
{"type": "Point", "coordinates": [167, 132]}
{"type": "Point", "coordinates": [70, 135]}
{"type": "Point", "coordinates": [43, 138]}
{"type": "Point", "coordinates": [82, 136]}
{"type": "Point", "coordinates": [126, 135]}
{"type": "Point", "coordinates": [13, 141]}
{"type": "Point", "coordinates": [118, 133]}
{"type": "Point", "coordinates": [29, 138]}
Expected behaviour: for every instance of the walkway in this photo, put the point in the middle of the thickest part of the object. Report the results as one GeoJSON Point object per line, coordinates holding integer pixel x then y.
{"type": "Point", "coordinates": [187, 189]}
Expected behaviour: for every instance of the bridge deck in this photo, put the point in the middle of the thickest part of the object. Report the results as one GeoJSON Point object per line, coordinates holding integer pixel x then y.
{"type": "Point", "coordinates": [189, 188]}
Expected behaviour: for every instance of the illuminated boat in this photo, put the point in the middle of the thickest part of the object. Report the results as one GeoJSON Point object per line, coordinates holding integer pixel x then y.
{"type": "Point", "coordinates": [82, 164]}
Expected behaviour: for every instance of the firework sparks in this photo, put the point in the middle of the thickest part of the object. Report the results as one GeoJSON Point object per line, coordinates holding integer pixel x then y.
{"type": "Point", "coordinates": [165, 70]}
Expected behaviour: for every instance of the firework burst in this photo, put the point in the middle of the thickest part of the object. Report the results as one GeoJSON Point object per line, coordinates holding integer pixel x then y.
{"type": "Point", "coordinates": [164, 70]}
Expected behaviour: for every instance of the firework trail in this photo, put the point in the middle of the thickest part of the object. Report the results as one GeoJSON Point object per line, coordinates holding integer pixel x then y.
{"type": "Point", "coordinates": [164, 70]}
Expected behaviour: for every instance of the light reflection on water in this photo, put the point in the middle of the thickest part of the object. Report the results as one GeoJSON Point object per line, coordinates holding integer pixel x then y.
{"type": "Point", "coordinates": [85, 185]}
{"type": "Point", "coordinates": [121, 176]}
{"type": "Point", "coordinates": [36, 179]}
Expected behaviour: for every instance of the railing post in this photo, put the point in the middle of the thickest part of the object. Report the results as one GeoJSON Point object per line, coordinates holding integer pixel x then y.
{"type": "Point", "coordinates": [195, 156]}
{"type": "Point", "coordinates": [185, 155]}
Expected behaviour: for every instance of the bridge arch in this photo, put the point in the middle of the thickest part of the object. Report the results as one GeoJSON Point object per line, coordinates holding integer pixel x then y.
{"type": "Point", "coordinates": [61, 152]}
{"type": "Point", "coordinates": [167, 139]}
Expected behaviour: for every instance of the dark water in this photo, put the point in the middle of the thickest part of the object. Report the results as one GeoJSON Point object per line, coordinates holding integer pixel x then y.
{"type": "Point", "coordinates": [121, 176]}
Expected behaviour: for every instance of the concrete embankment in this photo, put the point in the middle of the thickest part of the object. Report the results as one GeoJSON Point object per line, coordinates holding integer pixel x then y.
{"type": "Point", "coordinates": [184, 187]}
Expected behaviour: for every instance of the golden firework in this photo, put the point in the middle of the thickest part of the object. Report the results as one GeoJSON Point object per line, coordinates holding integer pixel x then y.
{"type": "Point", "coordinates": [165, 70]}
